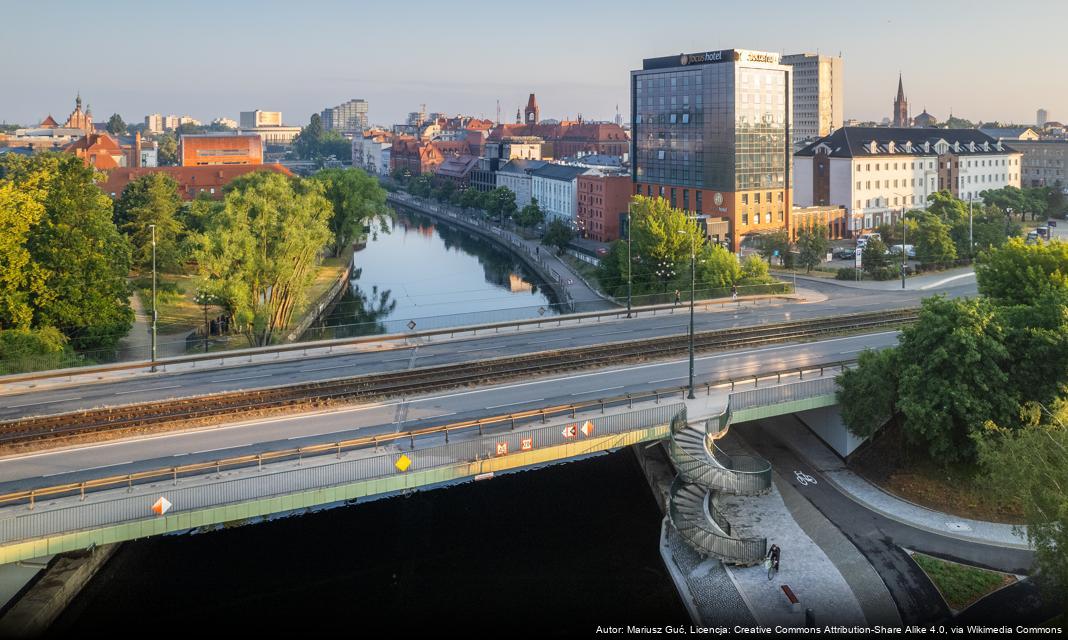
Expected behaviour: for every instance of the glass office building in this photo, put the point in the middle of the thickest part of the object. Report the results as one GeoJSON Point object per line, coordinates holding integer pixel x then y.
{"type": "Point", "coordinates": [711, 133]}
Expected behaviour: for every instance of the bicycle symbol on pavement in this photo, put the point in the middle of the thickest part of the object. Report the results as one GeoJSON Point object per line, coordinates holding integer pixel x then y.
{"type": "Point", "coordinates": [804, 478]}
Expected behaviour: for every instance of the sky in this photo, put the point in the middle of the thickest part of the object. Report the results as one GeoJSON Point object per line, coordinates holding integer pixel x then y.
{"type": "Point", "coordinates": [212, 59]}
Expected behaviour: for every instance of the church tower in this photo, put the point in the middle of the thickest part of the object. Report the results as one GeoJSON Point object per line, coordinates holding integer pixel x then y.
{"type": "Point", "coordinates": [901, 106]}
{"type": "Point", "coordinates": [531, 113]}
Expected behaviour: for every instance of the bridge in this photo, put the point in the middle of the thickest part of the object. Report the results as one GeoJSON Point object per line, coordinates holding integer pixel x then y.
{"type": "Point", "coordinates": [69, 516]}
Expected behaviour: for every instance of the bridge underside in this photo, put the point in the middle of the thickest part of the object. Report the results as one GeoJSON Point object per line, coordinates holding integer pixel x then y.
{"type": "Point", "coordinates": [244, 495]}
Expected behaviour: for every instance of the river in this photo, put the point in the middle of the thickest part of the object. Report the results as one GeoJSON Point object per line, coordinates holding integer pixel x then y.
{"type": "Point", "coordinates": [422, 271]}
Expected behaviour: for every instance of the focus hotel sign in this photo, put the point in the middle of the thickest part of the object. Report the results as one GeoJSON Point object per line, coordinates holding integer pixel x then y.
{"type": "Point", "coordinates": [728, 55]}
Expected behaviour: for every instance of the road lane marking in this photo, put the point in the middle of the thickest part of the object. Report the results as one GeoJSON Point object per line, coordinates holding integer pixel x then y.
{"type": "Point", "coordinates": [610, 333]}
{"type": "Point", "coordinates": [34, 404]}
{"type": "Point", "coordinates": [595, 391]}
{"type": "Point", "coordinates": [265, 375]}
{"type": "Point", "coordinates": [122, 393]}
{"type": "Point", "coordinates": [667, 379]}
{"type": "Point", "coordinates": [478, 349]}
{"type": "Point", "coordinates": [512, 404]}
{"type": "Point", "coordinates": [851, 351]}
{"type": "Point", "coordinates": [945, 280]}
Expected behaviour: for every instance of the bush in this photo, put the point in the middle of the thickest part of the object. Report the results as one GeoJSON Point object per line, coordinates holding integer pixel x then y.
{"type": "Point", "coordinates": [846, 273]}
{"type": "Point", "coordinates": [885, 273]}
{"type": "Point", "coordinates": [31, 349]}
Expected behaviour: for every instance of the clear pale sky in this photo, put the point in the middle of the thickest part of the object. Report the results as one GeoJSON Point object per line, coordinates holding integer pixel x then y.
{"type": "Point", "coordinates": [210, 59]}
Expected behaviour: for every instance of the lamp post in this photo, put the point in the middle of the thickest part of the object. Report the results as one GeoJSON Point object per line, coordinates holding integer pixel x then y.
{"type": "Point", "coordinates": [904, 252]}
{"type": "Point", "coordinates": [205, 299]}
{"type": "Point", "coordinates": [155, 315]}
{"type": "Point", "coordinates": [629, 259]}
{"type": "Point", "coordinates": [693, 286]}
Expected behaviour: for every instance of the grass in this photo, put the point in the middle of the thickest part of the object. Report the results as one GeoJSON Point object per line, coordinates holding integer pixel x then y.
{"type": "Point", "coordinates": [960, 585]}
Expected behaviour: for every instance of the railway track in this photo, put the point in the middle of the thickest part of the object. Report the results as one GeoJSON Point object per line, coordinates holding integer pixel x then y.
{"type": "Point", "coordinates": [426, 379]}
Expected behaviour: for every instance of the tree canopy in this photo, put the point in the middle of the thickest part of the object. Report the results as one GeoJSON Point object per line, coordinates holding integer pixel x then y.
{"type": "Point", "coordinates": [1019, 273]}
{"type": "Point", "coordinates": [356, 200]}
{"type": "Point", "coordinates": [315, 143]}
{"type": "Point", "coordinates": [530, 215]}
{"type": "Point", "coordinates": [558, 234]}
{"type": "Point", "coordinates": [812, 245]}
{"type": "Point", "coordinates": [147, 200]}
{"type": "Point", "coordinates": [116, 126]}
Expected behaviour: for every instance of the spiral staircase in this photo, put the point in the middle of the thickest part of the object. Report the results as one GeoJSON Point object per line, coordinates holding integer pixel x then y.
{"type": "Point", "coordinates": [704, 472]}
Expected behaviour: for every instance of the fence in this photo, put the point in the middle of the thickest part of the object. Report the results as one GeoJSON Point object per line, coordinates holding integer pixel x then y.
{"type": "Point", "coordinates": [783, 394]}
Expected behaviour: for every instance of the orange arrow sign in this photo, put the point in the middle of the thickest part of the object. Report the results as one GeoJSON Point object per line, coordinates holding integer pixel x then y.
{"type": "Point", "coordinates": [161, 506]}
{"type": "Point", "coordinates": [570, 431]}
{"type": "Point", "coordinates": [587, 428]}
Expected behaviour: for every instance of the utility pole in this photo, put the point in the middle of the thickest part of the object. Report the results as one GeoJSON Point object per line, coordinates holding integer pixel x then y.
{"type": "Point", "coordinates": [971, 240]}
{"type": "Point", "coordinates": [904, 252]}
{"type": "Point", "coordinates": [693, 282]}
{"type": "Point", "coordinates": [629, 263]}
{"type": "Point", "coordinates": [155, 314]}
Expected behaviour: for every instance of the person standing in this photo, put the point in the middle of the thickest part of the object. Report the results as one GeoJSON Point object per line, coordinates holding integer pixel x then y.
{"type": "Point", "coordinates": [678, 298]}
{"type": "Point", "coordinates": [734, 292]}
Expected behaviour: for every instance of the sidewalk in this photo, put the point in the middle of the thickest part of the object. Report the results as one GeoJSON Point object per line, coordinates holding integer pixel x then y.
{"type": "Point", "coordinates": [952, 277]}
{"type": "Point", "coordinates": [794, 434]}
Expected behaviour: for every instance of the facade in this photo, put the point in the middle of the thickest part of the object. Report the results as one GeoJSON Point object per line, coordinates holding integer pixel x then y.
{"type": "Point", "coordinates": [601, 203]}
{"type": "Point", "coordinates": [560, 139]}
{"type": "Point", "coordinates": [555, 187]}
{"type": "Point", "coordinates": [1010, 133]}
{"type": "Point", "coordinates": [209, 149]}
{"type": "Point", "coordinates": [924, 120]}
{"type": "Point", "coordinates": [882, 172]}
{"type": "Point", "coordinates": [257, 118]}
{"type": "Point", "coordinates": [154, 123]}
{"type": "Point", "coordinates": [819, 93]}
{"type": "Point", "coordinates": [100, 151]}
{"type": "Point", "coordinates": [273, 135]}
{"type": "Point", "coordinates": [1041, 118]}
{"type": "Point", "coordinates": [370, 151]}
{"type": "Point", "coordinates": [348, 117]}
{"type": "Point", "coordinates": [1044, 163]}
{"type": "Point", "coordinates": [192, 181]}
{"type": "Point", "coordinates": [712, 135]}
{"type": "Point", "coordinates": [418, 157]}
{"type": "Point", "coordinates": [901, 107]}
{"type": "Point", "coordinates": [515, 175]}
{"type": "Point", "coordinates": [838, 222]}
{"type": "Point", "coordinates": [457, 170]}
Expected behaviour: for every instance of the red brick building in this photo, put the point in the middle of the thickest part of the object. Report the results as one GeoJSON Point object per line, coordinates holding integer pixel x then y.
{"type": "Point", "coordinates": [212, 149]}
{"type": "Point", "coordinates": [602, 200]}
{"type": "Point", "coordinates": [100, 151]}
{"type": "Point", "coordinates": [192, 181]}
{"type": "Point", "coordinates": [419, 157]}
{"type": "Point", "coordinates": [457, 170]}
{"type": "Point", "coordinates": [567, 138]}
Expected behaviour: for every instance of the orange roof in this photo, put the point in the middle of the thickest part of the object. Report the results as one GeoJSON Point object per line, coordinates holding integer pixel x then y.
{"type": "Point", "coordinates": [48, 123]}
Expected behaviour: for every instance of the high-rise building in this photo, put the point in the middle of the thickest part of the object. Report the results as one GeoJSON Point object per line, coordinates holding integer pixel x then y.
{"type": "Point", "coordinates": [818, 95]}
{"type": "Point", "coordinates": [348, 117]}
{"type": "Point", "coordinates": [154, 123]}
{"type": "Point", "coordinates": [1041, 118]}
{"type": "Point", "coordinates": [901, 107]}
{"type": "Point", "coordinates": [257, 118]}
{"type": "Point", "coordinates": [711, 134]}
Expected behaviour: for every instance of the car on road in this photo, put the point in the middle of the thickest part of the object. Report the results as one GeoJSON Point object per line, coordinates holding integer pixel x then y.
{"type": "Point", "coordinates": [909, 249]}
{"type": "Point", "coordinates": [845, 254]}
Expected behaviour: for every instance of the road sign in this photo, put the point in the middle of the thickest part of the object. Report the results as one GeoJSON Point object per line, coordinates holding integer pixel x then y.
{"type": "Point", "coordinates": [570, 431]}
{"type": "Point", "coordinates": [411, 325]}
{"type": "Point", "coordinates": [587, 428]}
{"type": "Point", "coordinates": [502, 448]}
{"type": "Point", "coordinates": [526, 444]}
{"type": "Point", "coordinates": [161, 506]}
{"type": "Point", "coordinates": [403, 463]}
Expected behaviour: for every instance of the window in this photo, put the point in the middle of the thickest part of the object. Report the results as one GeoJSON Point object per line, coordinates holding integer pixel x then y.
{"type": "Point", "coordinates": [767, 217]}
{"type": "Point", "coordinates": [745, 198]}
{"type": "Point", "coordinates": [756, 198]}
{"type": "Point", "coordinates": [745, 219]}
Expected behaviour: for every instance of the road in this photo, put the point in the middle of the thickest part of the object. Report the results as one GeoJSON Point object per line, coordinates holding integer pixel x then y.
{"type": "Point", "coordinates": [162, 386]}
{"type": "Point", "coordinates": [883, 540]}
{"type": "Point", "coordinates": [183, 447]}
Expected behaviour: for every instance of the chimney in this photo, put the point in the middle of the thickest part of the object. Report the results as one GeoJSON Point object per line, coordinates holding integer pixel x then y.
{"type": "Point", "coordinates": [137, 149]}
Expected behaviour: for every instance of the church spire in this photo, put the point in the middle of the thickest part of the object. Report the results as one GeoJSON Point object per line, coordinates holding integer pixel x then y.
{"type": "Point", "coordinates": [900, 88]}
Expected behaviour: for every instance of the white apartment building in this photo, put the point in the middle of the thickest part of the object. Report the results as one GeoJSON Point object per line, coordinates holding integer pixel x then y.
{"type": "Point", "coordinates": [516, 176]}
{"type": "Point", "coordinates": [371, 151]}
{"type": "Point", "coordinates": [881, 173]}
{"type": "Point", "coordinates": [154, 123]}
{"type": "Point", "coordinates": [554, 185]}
{"type": "Point", "coordinates": [819, 95]}
{"type": "Point", "coordinates": [258, 118]}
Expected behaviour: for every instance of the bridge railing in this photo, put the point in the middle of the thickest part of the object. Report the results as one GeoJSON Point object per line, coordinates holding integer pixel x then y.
{"type": "Point", "coordinates": [782, 394]}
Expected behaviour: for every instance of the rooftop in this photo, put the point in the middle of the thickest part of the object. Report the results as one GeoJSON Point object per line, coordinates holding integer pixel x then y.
{"type": "Point", "coordinates": [849, 142]}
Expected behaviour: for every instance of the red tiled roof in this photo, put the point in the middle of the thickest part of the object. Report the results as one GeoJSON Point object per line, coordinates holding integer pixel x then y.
{"type": "Point", "coordinates": [48, 123]}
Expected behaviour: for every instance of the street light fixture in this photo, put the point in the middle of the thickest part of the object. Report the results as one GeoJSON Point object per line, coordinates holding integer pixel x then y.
{"type": "Point", "coordinates": [155, 314]}
{"type": "Point", "coordinates": [629, 265]}
{"type": "Point", "coordinates": [904, 253]}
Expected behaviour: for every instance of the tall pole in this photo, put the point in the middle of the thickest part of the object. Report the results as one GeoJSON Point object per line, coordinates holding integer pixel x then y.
{"type": "Point", "coordinates": [155, 315]}
{"type": "Point", "coordinates": [693, 282]}
{"type": "Point", "coordinates": [904, 252]}
{"type": "Point", "coordinates": [971, 240]}
{"type": "Point", "coordinates": [204, 299]}
{"type": "Point", "coordinates": [629, 263]}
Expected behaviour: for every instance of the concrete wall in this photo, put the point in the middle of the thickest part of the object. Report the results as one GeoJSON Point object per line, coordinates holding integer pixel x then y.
{"type": "Point", "coordinates": [826, 422]}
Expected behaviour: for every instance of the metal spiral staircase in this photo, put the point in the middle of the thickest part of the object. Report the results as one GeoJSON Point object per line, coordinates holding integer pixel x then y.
{"type": "Point", "coordinates": [705, 470]}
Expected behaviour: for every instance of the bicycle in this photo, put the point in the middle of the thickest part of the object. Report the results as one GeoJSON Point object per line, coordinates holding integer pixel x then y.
{"type": "Point", "coordinates": [773, 567]}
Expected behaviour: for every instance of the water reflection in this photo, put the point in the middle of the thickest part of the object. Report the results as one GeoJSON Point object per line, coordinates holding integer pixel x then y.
{"type": "Point", "coordinates": [435, 275]}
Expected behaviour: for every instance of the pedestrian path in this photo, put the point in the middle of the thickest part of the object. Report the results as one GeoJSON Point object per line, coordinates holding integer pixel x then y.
{"type": "Point", "coordinates": [952, 277]}
{"type": "Point", "coordinates": [798, 437]}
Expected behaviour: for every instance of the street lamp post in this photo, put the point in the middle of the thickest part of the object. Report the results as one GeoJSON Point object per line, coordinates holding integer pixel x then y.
{"type": "Point", "coordinates": [155, 315]}
{"type": "Point", "coordinates": [693, 287]}
{"type": "Point", "coordinates": [629, 259]}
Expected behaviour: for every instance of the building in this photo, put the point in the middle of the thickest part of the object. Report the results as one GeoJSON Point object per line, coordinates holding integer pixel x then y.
{"type": "Point", "coordinates": [457, 170]}
{"type": "Point", "coordinates": [1010, 133]}
{"type": "Point", "coordinates": [417, 157]}
{"type": "Point", "coordinates": [257, 118]}
{"type": "Point", "coordinates": [711, 134]}
{"type": "Point", "coordinates": [567, 138]}
{"type": "Point", "coordinates": [819, 94]}
{"type": "Point", "coordinates": [1044, 162]}
{"type": "Point", "coordinates": [228, 123]}
{"type": "Point", "coordinates": [924, 120]}
{"type": "Point", "coordinates": [555, 187]}
{"type": "Point", "coordinates": [273, 135]}
{"type": "Point", "coordinates": [901, 107]}
{"type": "Point", "coordinates": [836, 219]}
{"type": "Point", "coordinates": [371, 151]}
{"type": "Point", "coordinates": [192, 181]}
{"type": "Point", "coordinates": [154, 123]}
{"type": "Point", "coordinates": [100, 151]}
{"type": "Point", "coordinates": [1041, 118]}
{"type": "Point", "coordinates": [601, 203]}
{"type": "Point", "coordinates": [348, 117]}
{"type": "Point", "coordinates": [207, 149]}
{"type": "Point", "coordinates": [882, 172]}
{"type": "Point", "coordinates": [515, 175]}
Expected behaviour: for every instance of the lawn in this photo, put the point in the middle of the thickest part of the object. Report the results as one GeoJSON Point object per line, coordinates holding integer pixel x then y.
{"type": "Point", "coordinates": [961, 585]}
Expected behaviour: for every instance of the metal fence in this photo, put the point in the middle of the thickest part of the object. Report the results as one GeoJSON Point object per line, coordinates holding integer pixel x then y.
{"type": "Point", "coordinates": [126, 505]}
{"type": "Point", "coordinates": [782, 394]}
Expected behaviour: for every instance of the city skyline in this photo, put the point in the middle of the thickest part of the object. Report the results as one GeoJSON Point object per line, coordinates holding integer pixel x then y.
{"type": "Point", "coordinates": [397, 65]}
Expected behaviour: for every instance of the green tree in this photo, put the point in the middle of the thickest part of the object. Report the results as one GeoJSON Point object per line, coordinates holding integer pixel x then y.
{"type": "Point", "coordinates": [31, 349]}
{"type": "Point", "coordinates": [946, 207]}
{"type": "Point", "coordinates": [1036, 334]}
{"type": "Point", "coordinates": [768, 245]}
{"type": "Point", "coordinates": [196, 215]}
{"type": "Point", "coordinates": [531, 215]}
{"type": "Point", "coordinates": [167, 154]}
{"type": "Point", "coordinates": [754, 270]}
{"type": "Point", "coordinates": [933, 242]}
{"type": "Point", "coordinates": [356, 201]}
{"type": "Point", "coordinates": [116, 126]}
{"type": "Point", "coordinates": [1019, 274]}
{"type": "Point", "coordinates": [147, 200]}
{"type": "Point", "coordinates": [867, 394]}
{"type": "Point", "coordinates": [558, 234]}
{"type": "Point", "coordinates": [80, 260]}
{"type": "Point", "coordinates": [471, 198]}
{"type": "Point", "coordinates": [812, 245]}
{"type": "Point", "coordinates": [21, 278]}
{"type": "Point", "coordinates": [952, 376]}
{"type": "Point", "coordinates": [308, 143]}
{"type": "Point", "coordinates": [259, 254]}
{"type": "Point", "coordinates": [873, 258]}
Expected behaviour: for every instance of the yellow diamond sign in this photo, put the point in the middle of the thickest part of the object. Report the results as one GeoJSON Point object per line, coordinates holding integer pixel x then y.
{"type": "Point", "coordinates": [403, 463]}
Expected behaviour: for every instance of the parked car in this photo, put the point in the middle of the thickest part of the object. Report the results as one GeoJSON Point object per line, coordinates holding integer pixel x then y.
{"type": "Point", "coordinates": [846, 254]}
{"type": "Point", "coordinates": [910, 250]}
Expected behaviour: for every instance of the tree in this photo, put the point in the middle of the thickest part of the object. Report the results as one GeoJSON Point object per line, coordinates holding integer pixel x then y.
{"type": "Point", "coordinates": [147, 200]}
{"type": "Point", "coordinates": [933, 243]}
{"type": "Point", "coordinates": [308, 143]}
{"type": "Point", "coordinates": [952, 376]}
{"type": "Point", "coordinates": [258, 256]}
{"type": "Point", "coordinates": [531, 215]}
{"type": "Point", "coordinates": [356, 201]}
{"type": "Point", "coordinates": [558, 234]}
{"type": "Point", "coordinates": [116, 126]}
{"type": "Point", "coordinates": [812, 245]}
{"type": "Point", "coordinates": [31, 349]}
{"type": "Point", "coordinates": [77, 280]}
{"type": "Point", "coordinates": [1018, 273]}
{"type": "Point", "coordinates": [471, 198]}
{"type": "Point", "coordinates": [867, 394]}
{"type": "Point", "coordinates": [754, 270]}
{"type": "Point", "coordinates": [768, 245]}
{"type": "Point", "coordinates": [873, 258]}
{"type": "Point", "coordinates": [167, 154]}
{"type": "Point", "coordinates": [21, 278]}
{"type": "Point", "coordinates": [1036, 334]}
{"type": "Point", "coordinates": [946, 207]}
